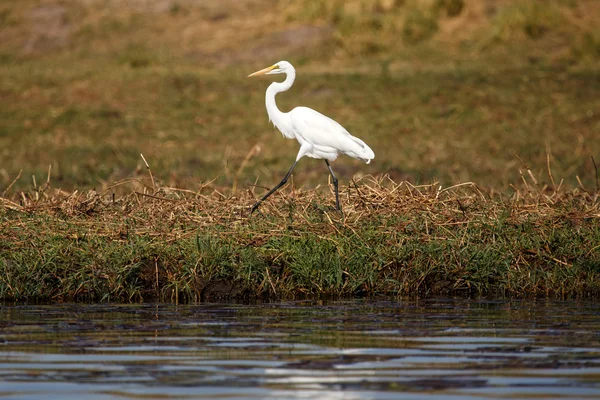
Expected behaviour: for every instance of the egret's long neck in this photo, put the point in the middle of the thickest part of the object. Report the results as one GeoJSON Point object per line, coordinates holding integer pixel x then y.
{"type": "Point", "coordinates": [278, 118]}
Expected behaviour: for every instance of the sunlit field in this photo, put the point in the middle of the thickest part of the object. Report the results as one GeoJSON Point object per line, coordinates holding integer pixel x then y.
{"type": "Point", "coordinates": [481, 96]}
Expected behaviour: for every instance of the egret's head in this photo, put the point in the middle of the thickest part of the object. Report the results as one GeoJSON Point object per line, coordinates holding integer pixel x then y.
{"type": "Point", "coordinates": [282, 67]}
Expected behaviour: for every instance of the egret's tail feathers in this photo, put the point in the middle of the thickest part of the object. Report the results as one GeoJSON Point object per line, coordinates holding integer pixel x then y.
{"type": "Point", "coordinates": [361, 151]}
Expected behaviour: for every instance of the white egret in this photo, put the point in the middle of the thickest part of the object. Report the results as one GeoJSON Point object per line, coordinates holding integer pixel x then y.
{"type": "Point", "coordinates": [319, 136]}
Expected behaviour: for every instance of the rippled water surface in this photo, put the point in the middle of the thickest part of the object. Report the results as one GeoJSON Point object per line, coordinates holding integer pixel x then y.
{"type": "Point", "coordinates": [446, 349]}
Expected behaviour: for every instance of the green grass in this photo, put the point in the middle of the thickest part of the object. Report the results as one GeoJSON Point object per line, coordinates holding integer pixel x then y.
{"type": "Point", "coordinates": [393, 240]}
{"type": "Point", "coordinates": [452, 126]}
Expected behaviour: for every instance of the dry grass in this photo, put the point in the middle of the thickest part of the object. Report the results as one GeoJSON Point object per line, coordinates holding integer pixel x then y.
{"type": "Point", "coordinates": [399, 239]}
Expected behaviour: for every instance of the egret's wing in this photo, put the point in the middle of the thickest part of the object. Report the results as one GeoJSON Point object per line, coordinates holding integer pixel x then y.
{"type": "Point", "coordinates": [318, 129]}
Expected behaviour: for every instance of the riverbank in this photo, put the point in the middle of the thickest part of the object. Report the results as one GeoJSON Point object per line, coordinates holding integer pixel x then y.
{"type": "Point", "coordinates": [503, 94]}
{"type": "Point", "coordinates": [394, 239]}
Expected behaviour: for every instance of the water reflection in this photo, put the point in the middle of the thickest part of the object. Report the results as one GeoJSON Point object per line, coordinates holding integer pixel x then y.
{"type": "Point", "coordinates": [345, 349]}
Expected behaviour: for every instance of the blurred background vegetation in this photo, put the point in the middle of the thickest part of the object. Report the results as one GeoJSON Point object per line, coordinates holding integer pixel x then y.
{"type": "Point", "coordinates": [442, 90]}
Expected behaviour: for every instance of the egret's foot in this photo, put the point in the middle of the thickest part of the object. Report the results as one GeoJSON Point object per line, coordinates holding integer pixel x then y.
{"type": "Point", "coordinates": [254, 207]}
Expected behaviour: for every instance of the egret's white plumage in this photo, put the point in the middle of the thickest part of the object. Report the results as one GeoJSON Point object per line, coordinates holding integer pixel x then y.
{"type": "Point", "coordinates": [327, 137]}
{"type": "Point", "coordinates": [319, 136]}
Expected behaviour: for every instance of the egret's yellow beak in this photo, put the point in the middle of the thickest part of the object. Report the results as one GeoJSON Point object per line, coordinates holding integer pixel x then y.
{"type": "Point", "coordinates": [263, 71]}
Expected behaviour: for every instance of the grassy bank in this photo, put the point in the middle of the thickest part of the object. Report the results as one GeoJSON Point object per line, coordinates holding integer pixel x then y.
{"type": "Point", "coordinates": [394, 239]}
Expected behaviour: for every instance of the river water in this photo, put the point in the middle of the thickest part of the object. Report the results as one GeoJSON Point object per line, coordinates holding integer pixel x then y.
{"type": "Point", "coordinates": [358, 349]}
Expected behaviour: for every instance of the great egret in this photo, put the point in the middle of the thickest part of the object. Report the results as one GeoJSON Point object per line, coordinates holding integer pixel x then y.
{"type": "Point", "coordinates": [319, 136]}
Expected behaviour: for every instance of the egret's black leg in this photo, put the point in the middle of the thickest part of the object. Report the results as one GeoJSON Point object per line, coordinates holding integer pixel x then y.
{"type": "Point", "coordinates": [270, 192]}
{"type": "Point", "coordinates": [335, 186]}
